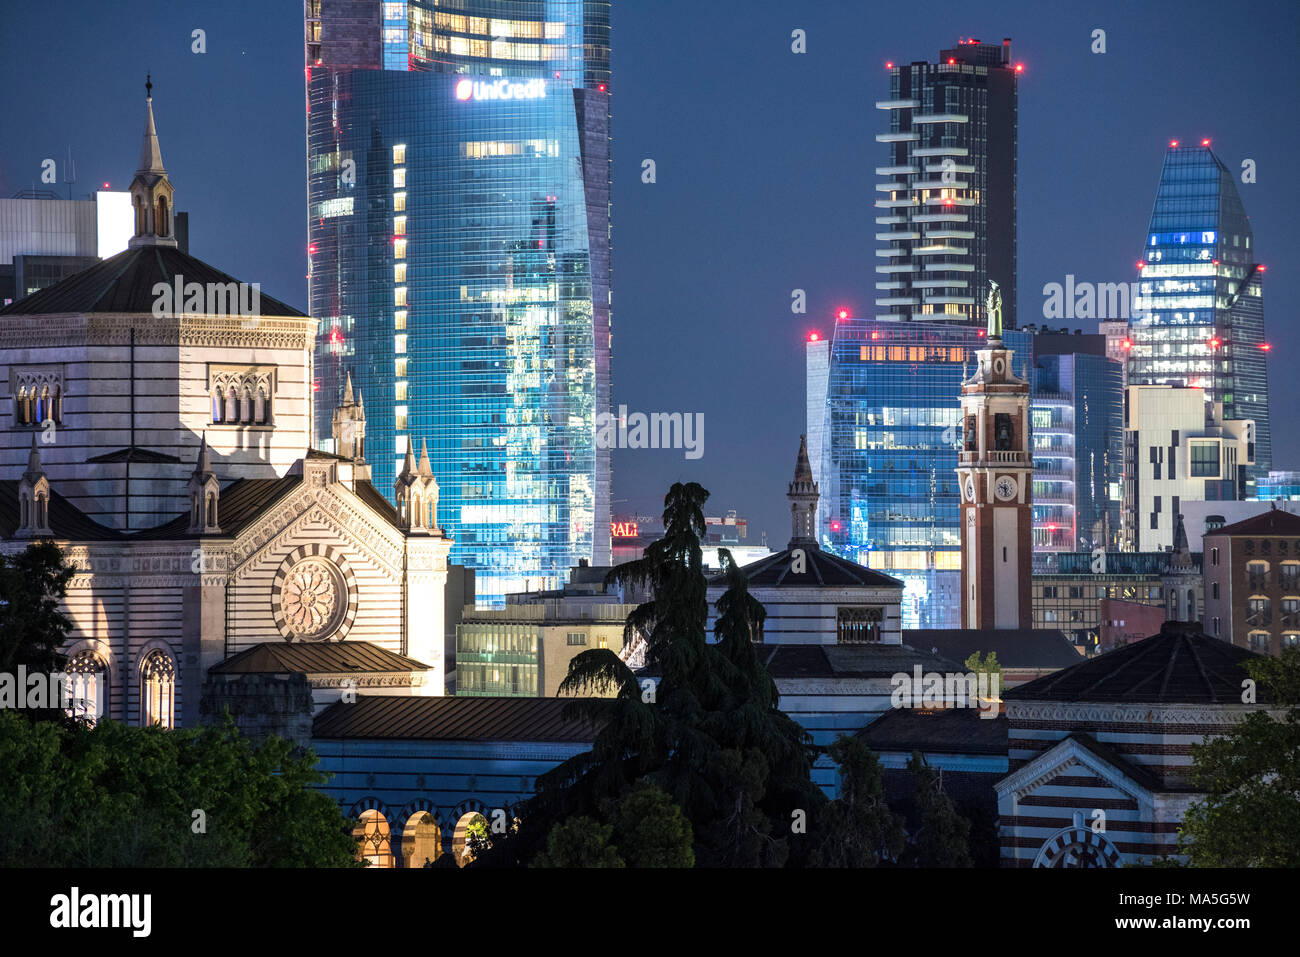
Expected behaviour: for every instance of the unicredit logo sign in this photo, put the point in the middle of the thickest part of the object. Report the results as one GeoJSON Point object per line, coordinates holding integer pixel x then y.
{"type": "Point", "coordinates": [502, 89]}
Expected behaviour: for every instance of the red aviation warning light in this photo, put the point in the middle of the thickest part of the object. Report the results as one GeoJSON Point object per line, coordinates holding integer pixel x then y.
{"type": "Point", "coordinates": [1126, 344]}
{"type": "Point", "coordinates": [1205, 142]}
{"type": "Point", "coordinates": [1266, 346]}
{"type": "Point", "coordinates": [951, 61]}
{"type": "Point", "coordinates": [1141, 264]}
{"type": "Point", "coordinates": [843, 314]}
{"type": "Point", "coordinates": [1173, 144]}
{"type": "Point", "coordinates": [814, 337]}
{"type": "Point", "coordinates": [1214, 343]}
{"type": "Point", "coordinates": [835, 526]}
{"type": "Point", "coordinates": [1020, 68]}
{"type": "Point", "coordinates": [889, 64]}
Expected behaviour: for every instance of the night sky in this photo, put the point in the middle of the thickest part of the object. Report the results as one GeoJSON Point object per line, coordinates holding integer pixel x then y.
{"type": "Point", "coordinates": [765, 163]}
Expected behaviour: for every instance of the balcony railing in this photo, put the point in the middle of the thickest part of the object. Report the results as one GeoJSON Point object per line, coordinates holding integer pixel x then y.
{"type": "Point", "coordinates": [996, 457]}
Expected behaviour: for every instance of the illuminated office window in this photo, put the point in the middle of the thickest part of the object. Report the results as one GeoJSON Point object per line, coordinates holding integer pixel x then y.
{"type": "Point", "coordinates": [399, 155]}
{"type": "Point", "coordinates": [399, 202]}
{"type": "Point", "coordinates": [399, 179]}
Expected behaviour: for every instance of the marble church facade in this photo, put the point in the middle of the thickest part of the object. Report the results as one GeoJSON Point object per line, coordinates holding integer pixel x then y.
{"type": "Point", "coordinates": [167, 452]}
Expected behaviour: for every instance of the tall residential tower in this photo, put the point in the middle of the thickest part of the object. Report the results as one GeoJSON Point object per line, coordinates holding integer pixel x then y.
{"type": "Point", "coordinates": [458, 168]}
{"type": "Point", "coordinates": [946, 206]}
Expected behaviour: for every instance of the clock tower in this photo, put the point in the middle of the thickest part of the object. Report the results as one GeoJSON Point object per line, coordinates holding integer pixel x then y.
{"type": "Point", "coordinates": [995, 475]}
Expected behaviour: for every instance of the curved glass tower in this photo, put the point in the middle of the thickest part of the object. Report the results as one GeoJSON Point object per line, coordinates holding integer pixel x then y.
{"type": "Point", "coordinates": [1202, 301]}
{"type": "Point", "coordinates": [459, 234]}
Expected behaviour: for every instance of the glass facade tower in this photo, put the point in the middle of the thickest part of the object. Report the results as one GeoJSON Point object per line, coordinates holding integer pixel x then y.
{"type": "Point", "coordinates": [1201, 306]}
{"type": "Point", "coordinates": [1077, 418]}
{"type": "Point", "coordinates": [458, 159]}
{"type": "Point", "coordinates": [946, 203]}
{"type": "Point", "coordinates": [887, 434]}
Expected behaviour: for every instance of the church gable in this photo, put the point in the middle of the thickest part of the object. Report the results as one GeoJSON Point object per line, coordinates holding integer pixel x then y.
{"type": "Point", "coordinates": [322, 566]}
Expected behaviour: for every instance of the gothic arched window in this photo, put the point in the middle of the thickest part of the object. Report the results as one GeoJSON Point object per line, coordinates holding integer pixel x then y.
{"type": "Point", "coordinates": [212, 511]}
{"type": "Point", "coordinates": [217, 406]}
{"type": "Point", "coordinates": [232, 406]}
{"type": "Point", "coordinates": [56, 404]}
{"type": "Point", "coordinates": [246, 411]}
{"type": "Point", "coordinates": [160, 222]}
{"type": "Point", "coordinates": [158, 690]}
{"type": "Point", "coordinates": [87, 685]}
{"type": "Point", "coordinates": [259, 413]}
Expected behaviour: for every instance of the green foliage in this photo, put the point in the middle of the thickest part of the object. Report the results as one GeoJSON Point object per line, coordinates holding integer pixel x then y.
{"type": "Point", "coordinates": [989, 665]}
{"type": "Point", "coordinates": [857, 829]}
{"type": "Point", "coordinates": [711, 736]}
{"type": "Point", "coordinates": [652, 831]}
{"type": "Point", "coordinates": [579, 842]}
{"type": "Point", "coordinates": [942, 835]}
{"type": "Point", "coordinates": [32, 628]}
{"type": "Point", "coordinates": [1251, 778]}
{"type": "Point", "coordinates": [118, 796]}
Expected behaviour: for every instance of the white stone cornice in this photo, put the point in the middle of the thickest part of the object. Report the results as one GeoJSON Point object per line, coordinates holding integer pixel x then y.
{"type": "Point", "coordinates": [1153, 714]}
{"type": "Point", "coordinates": [111, 328]}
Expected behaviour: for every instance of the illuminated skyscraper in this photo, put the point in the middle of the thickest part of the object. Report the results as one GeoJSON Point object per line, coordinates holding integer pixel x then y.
{"type": "Point", "coordinates": [1202, 305]}
{"type": "Point", "coordinates": [458, 168]}
{"type": "Point", "coordinates": [884, 431]}
{"type": "Point", "coordinates": [946, 204]}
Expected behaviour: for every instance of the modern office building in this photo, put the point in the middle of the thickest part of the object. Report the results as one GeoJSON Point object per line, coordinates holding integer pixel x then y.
{"type": "Point", "coordinates": [458, 166]}
{"type": "Point", "coordinates": [45, 238]}
{"type": "Point", "coordinates": [1078, 414]}
{"type": "Point", "coordinates": [1118, 343]}
{"type": "Point", "coordinates": [886, 435]}
{"type": "Point", "coordinates": [633, 533]}
{"type": "Point", "coordinates": [1176, 452]}
{"type": "Point", "coordinates": [946, 206]}
{"type": "Point", "coordinates": [1202, 300]}
{"type": "Point", "coordinates": [1278, 486]}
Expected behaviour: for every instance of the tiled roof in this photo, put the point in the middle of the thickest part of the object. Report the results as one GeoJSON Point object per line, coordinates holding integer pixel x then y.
{"type": "Point", "coordinates": [820, 568]}
{"type": "Point", "coordinates": [124, 283]}
{"type": "Point", "coordinates": [452, 719]}
{"type": "Point", "coordinates": [242, 502]}
{"type": "Point", "coordinates": [1015, 647]}
{"type": "Point", "coordinates": [1273, 522]}
{"type": "Point", "coordinates": [1179, 665]}
{"type": "Point", "coordinates": [66, 520]}
{"type": "Point", "coordinates": [950, 730]}
{"type": "Point", "coordinates": [323, 657]}
{"type": "Point", "coordinates": [847, 661]}
{"type": "Point", "coordinates": [380, 505]}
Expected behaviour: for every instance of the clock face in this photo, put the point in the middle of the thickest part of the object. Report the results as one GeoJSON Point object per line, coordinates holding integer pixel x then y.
{"type": "Point", "coordinates": [970, 489]}
{"type": "Point", "coordinates": [1005, 488]}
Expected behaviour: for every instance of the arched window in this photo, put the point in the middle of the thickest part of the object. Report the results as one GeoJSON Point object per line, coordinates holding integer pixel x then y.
{"type": "Point", "coordinates": [232, 406]}
{"type": "Point", "coordinates": [259, 414]}
{"type": "Point", "coordinates": [158, 690]}
{"type": "Point", "coordinates": [421, 840]}
{"type": "Point", "coordinates": [374, 845]}
{"type": "Point", "coordinates": [139, 216]}
{"type": "Point", "coordinates": [1191, 605]}
{"type": "Point", "coordinates": [217, 406]}
{"type": "Point", "coordinates": [25, 508]}
{"type": "Point", "coordinates": [42, 406]}
{"type": "Point", "coordinates": [246, 412]}
{"type": "Point", "coordinates": [87, 685]}
{"type": "Point", "coordinates": [430, 518]}
{"type": "Point", "coordinates": [212, 511]}
{"type": "Point", "coordinates": [415, 510]}
{"type": "Point", "coordinates": [20, 406]}
{"type": "Point", "coordinates": [56, 404]}
{"type": "Point", "coordinates": [42, 511]}
{"type": "Point", "coordinates": [160, 223]}
{"type": "Point", "coordinates": [469, 824]}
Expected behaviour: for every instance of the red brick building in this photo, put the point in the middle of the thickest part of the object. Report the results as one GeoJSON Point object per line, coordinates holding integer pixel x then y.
{"type": "Point", "coordinates": [1252, 582]}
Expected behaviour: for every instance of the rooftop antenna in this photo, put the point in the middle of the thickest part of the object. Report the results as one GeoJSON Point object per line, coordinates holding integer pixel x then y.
{"type": "Point", "coordinates": [69, 172]}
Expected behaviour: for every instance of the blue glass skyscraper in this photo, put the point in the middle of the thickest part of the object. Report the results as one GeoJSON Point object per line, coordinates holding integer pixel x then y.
{"type": "Point", "coordinates": [884, 429]}
{"type": "Point", "coordinates": [1201, 292]}
{"type": "Point", "coordinates": [459, 235]}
